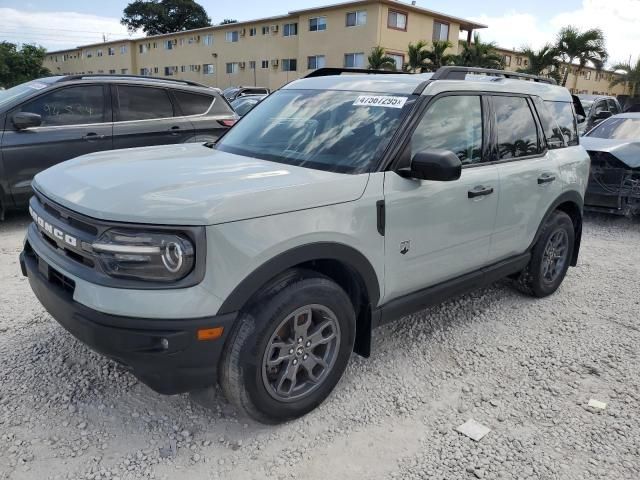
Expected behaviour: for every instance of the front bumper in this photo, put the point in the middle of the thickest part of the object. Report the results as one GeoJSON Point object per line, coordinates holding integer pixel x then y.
{"type": "Point", "coordinates": [164, 354]}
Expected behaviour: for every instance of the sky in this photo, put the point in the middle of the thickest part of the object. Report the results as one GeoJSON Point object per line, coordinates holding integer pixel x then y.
{"type": "Point", "coordinates": [59, 25]}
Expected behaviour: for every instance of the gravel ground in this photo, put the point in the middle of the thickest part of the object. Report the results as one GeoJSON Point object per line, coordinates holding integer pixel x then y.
{"type": "Point", "coordinates": [525, 368]}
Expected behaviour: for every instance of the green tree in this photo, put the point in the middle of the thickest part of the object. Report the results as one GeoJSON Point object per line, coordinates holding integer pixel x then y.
{"type": "Point", "coordinates": [437, 56]}
{"type": "Point", "coordinates": [416, 57]}
{"type": "Point", "coordinates": [156, 17]}
{"type": "Point", "coordinates": [544, 61]}
{"type": "Point", "coordinates": [582, 48]}
{"type": "Point", "coordinates": [379, 60]}
{"type": "Point", "coordinates": [630, 77]}
{"type": "Point", "coordinates": [19, 65]}
{"type": "Point", "coordinates": [479, 54]}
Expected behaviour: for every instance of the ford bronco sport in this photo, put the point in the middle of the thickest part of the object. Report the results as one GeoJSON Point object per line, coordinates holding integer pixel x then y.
{"type": "Point", "coordinates": [339, 203]}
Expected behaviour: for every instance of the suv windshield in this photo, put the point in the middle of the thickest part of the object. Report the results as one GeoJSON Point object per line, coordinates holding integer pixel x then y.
{"type": "Point", "coordinates": [328, 130]}
{"type": "Point", "coordinates": [618, 129]}
{"type": "Point", "coordinates": [23, 90]}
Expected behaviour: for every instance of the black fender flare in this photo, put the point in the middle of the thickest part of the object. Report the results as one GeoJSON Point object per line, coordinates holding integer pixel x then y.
{"type": "Point", "coordinates": [351, 257]}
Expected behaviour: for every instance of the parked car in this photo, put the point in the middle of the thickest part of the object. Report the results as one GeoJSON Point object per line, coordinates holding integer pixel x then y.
{"type": "Point", "coordinates": [597, 108]}
{"type": "Point", "coordinates": [53, 119]}
{"type": "Point", "coordinates": [243, 105]}
{"type": "Point", "coordinates": [339, 204]}
{"type": "Point", "coordinates": [614, 181]}
{"type": "Point", "coordinates": [231, 93]}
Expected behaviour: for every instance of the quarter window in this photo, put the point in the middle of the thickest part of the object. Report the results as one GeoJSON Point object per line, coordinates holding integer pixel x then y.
{"type": "Point", "coordinates": [515, 127]}
{"type": "Point", "coordinates": [356, 18]}
{"type": "Point", "coordinates": [290, 29]}
{"type": "Point", "coordinates": [440, 31]}
{"type": "Point", "coordinates": [452, 123]}
{"type": "Point", "coordinates": [142, 103]}
{"type": "Point", "coordinates": [69, 106]}
{"type": "Point", "coordinates": [192, 103]}
{"type": "Point", "coordinates": [317, 24]}
{"type": "Point", "coordinates": [397, 20]}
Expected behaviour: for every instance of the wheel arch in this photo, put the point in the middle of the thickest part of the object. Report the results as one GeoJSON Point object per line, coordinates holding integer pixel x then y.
{"type": "Point", "coordinates": [343, 264]}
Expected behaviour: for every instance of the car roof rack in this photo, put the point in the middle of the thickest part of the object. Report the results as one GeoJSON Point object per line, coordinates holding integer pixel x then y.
{"type": "Point", "coordinates": [132, 77]}
{"type": "Point", "coordinates": [460, 73]}
{"type": "Point", "coordinates": [326, 71]}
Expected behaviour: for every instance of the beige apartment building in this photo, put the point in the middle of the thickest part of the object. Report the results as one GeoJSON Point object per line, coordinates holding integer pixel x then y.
{"type": "Point", "coordinates": [269, 51]}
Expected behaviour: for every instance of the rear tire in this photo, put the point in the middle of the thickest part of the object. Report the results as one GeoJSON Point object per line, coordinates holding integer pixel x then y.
{"type": "Point", "coordinates": [288, 351]}
{"type": "Point", "coordinates": [550, 257]}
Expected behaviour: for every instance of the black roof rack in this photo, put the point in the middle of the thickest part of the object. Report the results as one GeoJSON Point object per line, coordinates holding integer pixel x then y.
{"type": "Point", "coordinates": [460, 73]}
{"type": "Point", "coordinates": [326, 71]}
{"type": "Point", "coordinates": [66, 78]}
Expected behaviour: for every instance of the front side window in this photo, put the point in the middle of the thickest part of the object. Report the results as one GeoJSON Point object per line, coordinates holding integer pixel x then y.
{"type": "Point", "coordinates": [317, 24]}
{"type": "Point", "coordinates": [231, 36]}
{"type": "Point", "coordinates": [397, 20]}
{"type": "Point", "coordinates": [452, 123]}
{"type": "Point", "coordinates": [192, 103]}
{"type": "Point", "coordinates": [316, 61]}
{"type": "Point", "coordinates": [290, 29]}
{"type": "Point", "coordinates": [440, 31]}
{"type": "Point", "coordinates": [69, 106]}
{"type": "Point", "coordinates": [289, 65]}
{"type": "Point", "coordinates": [142, 103]}
{"type": "Point", "coordinates": [355, 19]}
{"type": "Point", "coordinates": [515, 127]}
{"type": "Point", "coordinates": [618, 129]}
{"type": "Point", "coordinates": [354, 60]}
{"type": "Point", "coordinates": [336, 131]}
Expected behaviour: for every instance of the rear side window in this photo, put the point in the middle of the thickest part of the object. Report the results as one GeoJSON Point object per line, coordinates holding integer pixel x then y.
{"type": "Point", "coordinates": [516, 127]}
{"type": "Point", "coordinates": [552, 131]}
{"type": "Point", "coordinates": [192, 103]}
{"type": "Point", "coordinates": [143, 103]}
{"type": "Point", "coordinates": [69, 106]}
{"type": "Point", "coordinates": [566, 120]}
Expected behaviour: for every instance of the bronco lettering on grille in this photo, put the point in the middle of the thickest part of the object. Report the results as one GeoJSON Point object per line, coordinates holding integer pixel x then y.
{"type": "Point", "coordinates": [52, 230]}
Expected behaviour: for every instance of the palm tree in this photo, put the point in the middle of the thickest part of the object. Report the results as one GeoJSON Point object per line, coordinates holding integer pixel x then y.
{"type": "Point", "coordinates": [416, 56]}
{"type": "Point", "coordinates": [437, 57]}
{"type": "Point", "coordinates": [479, 54]}
{"type": "Point", "coordinates": [630, 77]}
{"type": "Point", "coordinates": [379, 60]}
{"type": "Point", "coordinates": [581, 47]}
{"type": "Point", "coordinates": [542, 62]}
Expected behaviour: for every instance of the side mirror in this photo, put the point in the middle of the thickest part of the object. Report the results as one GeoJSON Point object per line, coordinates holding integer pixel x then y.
{"type": "Point", "coordinates": [24, 120]}
{"type": "Point", "coordinates": [437, 165]}
{"type": "Point", "coordinates": [602, 115]}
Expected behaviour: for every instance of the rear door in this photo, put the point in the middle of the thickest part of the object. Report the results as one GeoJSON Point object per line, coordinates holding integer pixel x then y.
{"type": "Point", "coordinates": [75, 120]}
{"type": "Point", "coordinates": [529, 174]}
{"type": "Point", "coordinates": [146, 115]}
{"type": "Point", "coordinates": [209, 115]}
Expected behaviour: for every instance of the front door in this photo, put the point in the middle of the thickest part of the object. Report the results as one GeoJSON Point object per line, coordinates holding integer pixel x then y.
{"type": "Point", "coordinates": [75, 121]}
{"type": "Point", "coordinates": [436, 231]}
{"type": "Point", "coordinates": [146, 116]}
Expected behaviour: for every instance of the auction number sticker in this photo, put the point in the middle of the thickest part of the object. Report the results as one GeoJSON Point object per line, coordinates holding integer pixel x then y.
{"type": "Point", "coordinates": [380, 101]}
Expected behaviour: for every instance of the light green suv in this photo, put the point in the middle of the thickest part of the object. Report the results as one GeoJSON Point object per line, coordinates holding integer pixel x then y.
{"type": "Point", "coordinates": [339, 203]}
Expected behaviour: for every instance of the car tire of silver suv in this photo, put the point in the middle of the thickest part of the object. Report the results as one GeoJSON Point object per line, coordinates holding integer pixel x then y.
{"type": "Point", "coordinates": [289, 349]}
{"type": "Point", "coordinates": [550, 257]}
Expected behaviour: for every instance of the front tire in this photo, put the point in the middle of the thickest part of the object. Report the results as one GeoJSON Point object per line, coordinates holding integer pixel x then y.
{"type": "Point", "coordinates": [550, 257]}
{"type": "Point", "coordinates": [289, 350]}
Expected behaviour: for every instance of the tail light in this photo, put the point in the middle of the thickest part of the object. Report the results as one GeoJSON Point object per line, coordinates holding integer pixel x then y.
{"type": "Point", "coordinates": [228, 123]}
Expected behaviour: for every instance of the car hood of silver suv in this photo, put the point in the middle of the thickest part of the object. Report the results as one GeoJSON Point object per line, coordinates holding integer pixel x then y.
{"type": "Point", "coordinates": [189, 184]}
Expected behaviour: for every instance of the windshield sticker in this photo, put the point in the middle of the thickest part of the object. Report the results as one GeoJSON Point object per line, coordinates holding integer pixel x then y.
{"type": "Point", "coordinates": [380, 101]}
{"type": "Point", "coordinates": [36, 85]}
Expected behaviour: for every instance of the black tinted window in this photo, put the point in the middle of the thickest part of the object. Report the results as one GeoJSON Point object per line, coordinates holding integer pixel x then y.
{"type": "Point", "coordinates": [192, 103]}
{"type": "Point", "coordinates": [451, 123]}
{"type": "Point", "coordinates": [613, 106]}
{"type": "Point", "coordinates": [566, 120]}
{"type": "Point", "coordinates": [516, 128]}
{"type": "Point", "coordinates": [69, 106]}
{"type": "Point", "coordinates": [143, 103]}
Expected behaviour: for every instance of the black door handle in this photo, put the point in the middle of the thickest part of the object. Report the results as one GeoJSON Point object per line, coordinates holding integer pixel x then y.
{"type": "Point", "coordinates": [480, 191]}
{"type": "Point", "coordinates": [546, 178]}
{"type": "Point", "coordinates": [175, 130]}
{"type": "Point", "coordinates": [92, 136]}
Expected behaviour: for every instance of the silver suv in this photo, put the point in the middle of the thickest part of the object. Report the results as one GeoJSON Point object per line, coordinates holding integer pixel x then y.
{"type": "Point", "coordinates": [339, 203]}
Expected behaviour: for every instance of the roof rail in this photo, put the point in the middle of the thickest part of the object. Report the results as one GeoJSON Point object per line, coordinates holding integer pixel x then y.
{"type": "Point", "coordinates": [460, 73]}
{"type": "Point", "coordinates": [326, 71]}
{"type": "Point", "coordinates": [133, 77]}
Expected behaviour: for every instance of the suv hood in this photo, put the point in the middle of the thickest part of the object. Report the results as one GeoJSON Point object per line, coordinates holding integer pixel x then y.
{"type": "Point", "coordinates": [189, 184]}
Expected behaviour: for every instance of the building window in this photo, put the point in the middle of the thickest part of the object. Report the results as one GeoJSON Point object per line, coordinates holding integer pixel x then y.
{"type": "Point", "coordinates": [145, 72]}
{"type": "Point", "coordinates": [290, 29]}
{"type": "Point", "coordinates": [183, 68]}
{"type": "Point", "coordinates": [123, 49]}
{"type": "Point", "coordinates": [207, 69]}
{"type": "Point", "coordinates": [397, 20]}
{"type": "Point", "coordinates": [169, 71]}
{"type": "Point", "coordinates": [440, 31]}
{"type": "Point", "coordinates": [112, 72]}
{"type": "Point", "coordinates": [168, 44]}
{"type": "Point", "coordinates": [316, 61]}
{"type": "Point", "coordinates": [124, 71]}
{"type": "Point", "coordinates": [587, 75]}
{"type": "Point", "coordinates": [252, 64]}
{"type": "Point", "coordinates": [289, 65]}
{"type": "Point", "coordinates": [264, 64]}
{"type": "Point", "coordinates": [252, 31]}
{"type": "Point", "coordinates": [111, 51]}
{"type": "Point", "coordinates": [356, 18]}
{"type": "Point", "coordinates": [208, 39]}
{"type": "Point", "coordinates": [507, 60]}
{"type": "Point", "coordinates": [231, 37]}
{"type": "Point", "coordinates": [317, 24]}
{"type": "Point", "coordinates": [518, 61]}
{"type": "Point", "coordinates": [265, 30]}
{"type": "Point", "coordinates": [143, 48]}
{"type": "Point", "coordinates": [88, 54]}
{"type": "Point", "coordinates": [98, 53]}
{"type": "Point", "coordinates": [398, 59]}
{"type": "Point", "coordinates": [232, 68]}
{"type": "Point", "coordinates": [354, 60]}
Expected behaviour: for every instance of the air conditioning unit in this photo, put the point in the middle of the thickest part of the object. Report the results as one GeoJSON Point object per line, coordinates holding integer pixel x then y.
{"type": "Point", "coordinates": [243, 32]}
{"type": "Point", "coordinates": [275, 28]}
{"type": "Point", "coordinates": [275, 63]}
{"type": "Point", "coordinates": [241, 64]}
